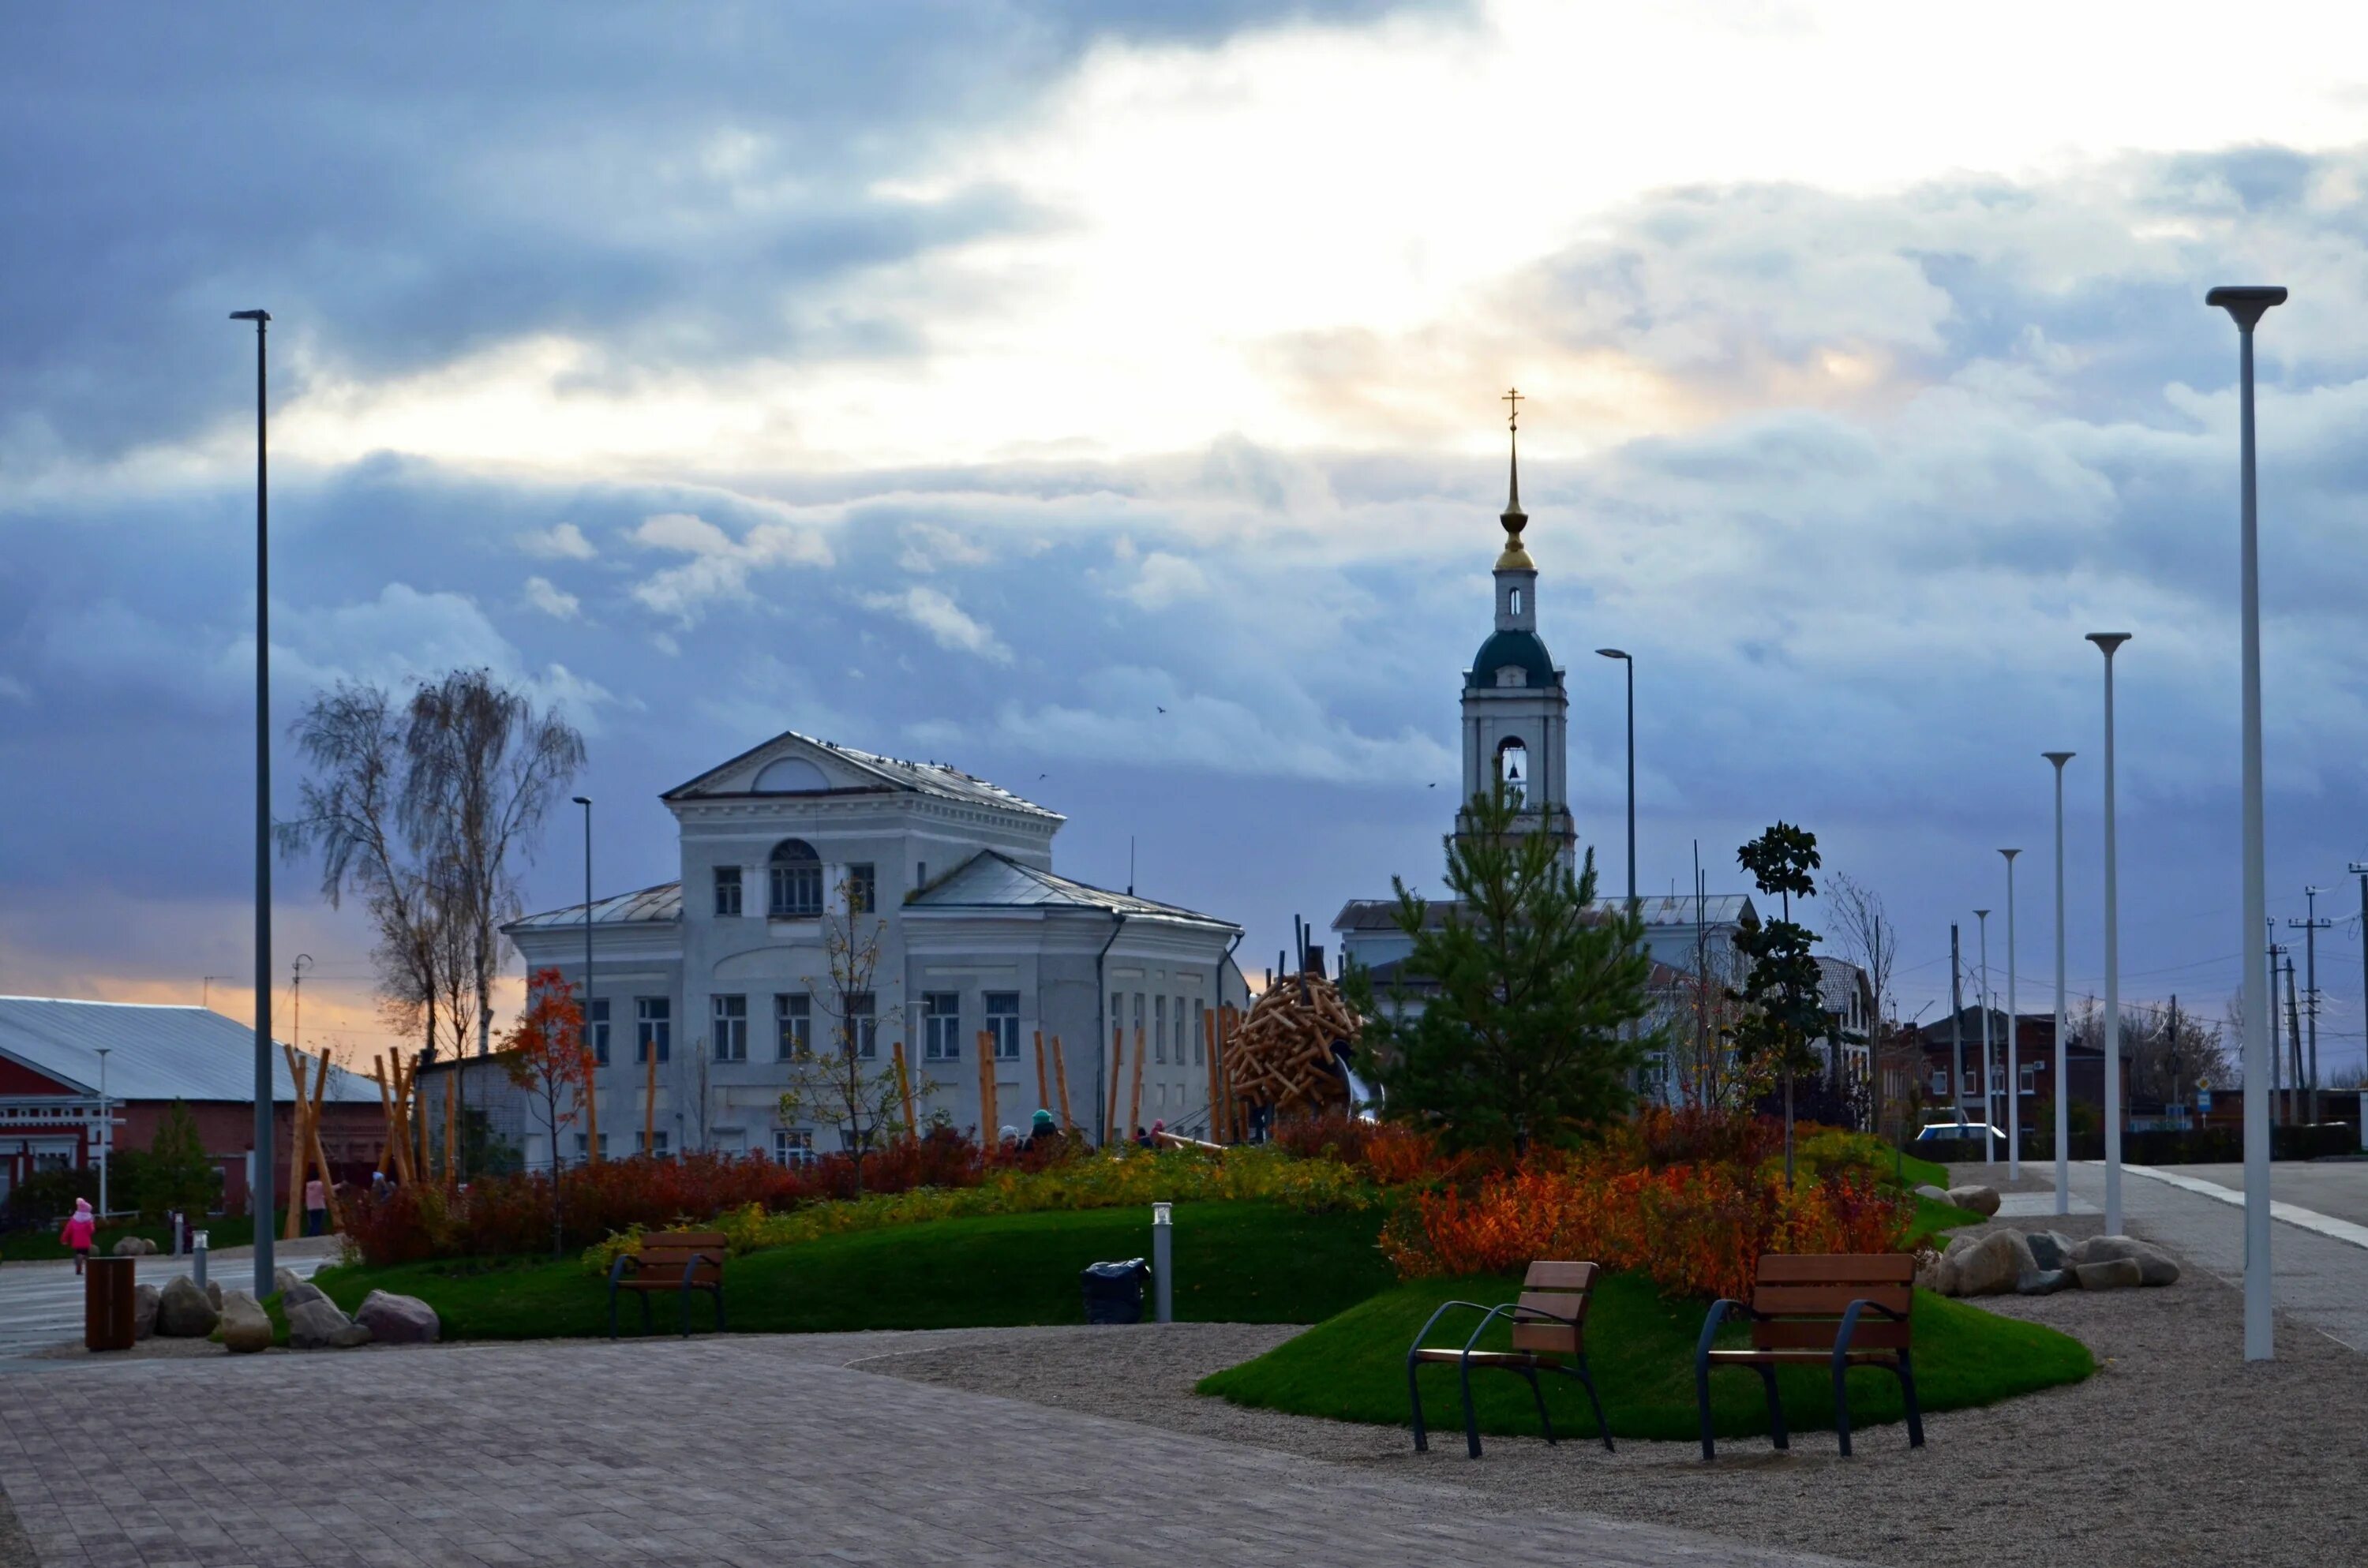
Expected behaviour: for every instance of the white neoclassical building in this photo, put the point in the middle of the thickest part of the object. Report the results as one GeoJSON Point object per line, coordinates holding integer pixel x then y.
{"type": "Point", "coordinates": [723, 975]}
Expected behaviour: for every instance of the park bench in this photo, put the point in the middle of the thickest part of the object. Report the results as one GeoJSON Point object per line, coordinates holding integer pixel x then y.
{"type": "Point", "coordinates": [1549, 1335]}
{"type": "Point", "coordinates": [681, 1261]}
{"type": "Point", "coordinates": [1813, 1310]}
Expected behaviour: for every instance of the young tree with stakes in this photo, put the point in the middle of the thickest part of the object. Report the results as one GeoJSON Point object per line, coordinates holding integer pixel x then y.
{"type": "Point", "coordinates": [848, 1081]}
{"type": "Point", "coordinates": [1783, 992]}
{"type": "Point", "coordinates": [546, 1056]}
{"type": "Point", "coordinates": [1525, 1043]}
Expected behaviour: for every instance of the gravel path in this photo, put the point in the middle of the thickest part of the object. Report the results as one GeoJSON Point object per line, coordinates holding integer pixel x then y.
{"type": "Point", "coordinates": [2176, 1452]}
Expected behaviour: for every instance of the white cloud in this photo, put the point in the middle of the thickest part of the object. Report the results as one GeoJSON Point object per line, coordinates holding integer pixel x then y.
{"type": "Point", "coordinates": [556, 603]}
{"type": "Point", "coordinates": [720, 566]}
{"type": "Point", "coordinates": [560, 541]}
{"type": "Point", "coordinates": [1164, 579]}
{"type": "Point", "coordinates": [15, 690]}
{"type": "Point", "coordinates": [946, 622]}
{"type": "Point", "coordinates": [931, 548]}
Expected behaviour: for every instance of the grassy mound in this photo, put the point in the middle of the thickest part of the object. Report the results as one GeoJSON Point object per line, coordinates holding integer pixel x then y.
{"type": "Point", "coordinates": [1641, 1349]}
{"type": "Point", "coordinates": [1235, 1263]}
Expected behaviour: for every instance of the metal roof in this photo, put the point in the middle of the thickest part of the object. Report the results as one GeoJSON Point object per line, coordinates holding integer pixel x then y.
{"type": "Point", "coordinates": [645, 907]}
{"type": "Point", "coordinates": [154, 1052]}
{"type": "Point", "coordinates": [990, 880]}
{"type": "Point", "coordinates": [923, 778]}
{"type": "Point", "coordinates": [1717, 910]}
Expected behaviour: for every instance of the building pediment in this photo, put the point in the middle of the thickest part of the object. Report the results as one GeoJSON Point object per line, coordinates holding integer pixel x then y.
{"type": "Point", "coordinates": [791, 766]}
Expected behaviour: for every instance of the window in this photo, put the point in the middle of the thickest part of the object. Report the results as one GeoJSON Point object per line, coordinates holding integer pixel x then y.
{"type": "Point", "coordinates": [1199, 1034]}
{"type": "Point", "coordinates": [731, 1028]}
{"type": "Point", "coordinates": [862, 1023]}
{"type": "Point", "coordinates": [1513, 769]}
{"type": "Point", "coordinates": [863, 888]}
{"type": "Point", "coordinates": [1159, 1030]}
{"type": "Point", "coordinates": [1003, 1023]}
{"type": "Point", "coordinates": [653, 1025]}
{"type": "Point", "coordinates": [1138, 1021]}
{"type": "Point", "coordinates": [797, 881]}
{"type": "Point", "coordinates": [728, 890]}
{"type": "Point", "coordinates": [793, 1146]}
{"type": "Point", "coordinates": [1179, 1031]}
{"type": "Point", "coordinates": [1939, 1080]}
{"type": "Point", "coordinates": [794, 1018]}
{"type": "Point", "coordinates": [599, 1010]}
{"type": "Point", "coordinates": [1513, 602]}
{"type": "Point", "coordinates": [2030, 1078]}
{"type": "Point", "coordinates": [942, 1026]}
{"type": "Point", "coordinates": [921, 873]}
{"type": "Point", "coordinates": [650, 1146]}
{"type": "Point", "coordinates": [583, 1147]}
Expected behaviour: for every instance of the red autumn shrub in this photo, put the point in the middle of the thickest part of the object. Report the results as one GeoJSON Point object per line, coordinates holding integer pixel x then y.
{"type": "Point", "coordinates": [1387, 1154]}
{"type": "Point", "coordinates": [1693, 1229]}
{"type": "Point", "coordinates": [1659, 1136]}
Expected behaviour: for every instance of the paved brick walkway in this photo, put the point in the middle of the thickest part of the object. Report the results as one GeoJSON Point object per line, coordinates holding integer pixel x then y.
{"type": "Point", "coordinates": [756, 1451]}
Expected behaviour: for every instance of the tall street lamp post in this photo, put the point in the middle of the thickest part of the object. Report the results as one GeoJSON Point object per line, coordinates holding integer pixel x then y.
{"type": "Point", "coordinates": [1625, 659]}
{"type": "Point", "coordinates": [1990, 1068]}
{"type": "Point", "coordinates": [2063, 1082]}
{"type": "Point", "coordinates": [592, 1149]}
{"type": "Point", "coordinates": [260, 1188]}
{"type": "Point", "coordinates": [2246, 306]}
{"type": "Point", "coordinates": [2013, 1058]}
{"type": "Point", "coordinates": [105, 1130]}
{"type": "Point", "coordinates": [2109, 641]}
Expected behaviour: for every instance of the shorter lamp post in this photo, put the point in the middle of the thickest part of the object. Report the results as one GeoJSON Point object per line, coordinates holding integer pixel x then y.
{"type": "Point", "coordinates": [1631, 664]}
{"type": "Point", "coordinates": [105, 1130]}
{"type": "Point", "coordinates": [1163, 1261]}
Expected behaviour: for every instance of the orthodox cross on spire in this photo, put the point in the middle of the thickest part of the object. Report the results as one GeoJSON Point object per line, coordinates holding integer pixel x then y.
{"type": "Point", "coordinates": [1515, 518]}
{"type": "Point", "coordinates": [1513, 397]}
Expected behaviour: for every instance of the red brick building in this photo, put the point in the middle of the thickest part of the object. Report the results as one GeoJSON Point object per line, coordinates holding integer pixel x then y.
{"type": "Point", "coordinates": [66, 1067]}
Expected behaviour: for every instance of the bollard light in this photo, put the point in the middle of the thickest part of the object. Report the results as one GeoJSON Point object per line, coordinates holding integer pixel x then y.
{"type": "Point", "coordinates": [1163, 1257]}
{"type": "Point", "coordinates": [198, 1258]}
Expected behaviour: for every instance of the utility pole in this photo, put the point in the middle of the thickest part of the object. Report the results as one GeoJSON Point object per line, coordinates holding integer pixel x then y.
{"type": "Point", "coordinates": [2311, 925]}
{"type": "Point", "coordinates": [1957, 1022]}
{"type": "Point", "coordinates": [2277, 1060]}
{"type": "Point", "coordinates": [2294, 1042]}
{"type": "Point", "coordinates": [2171, 1040]}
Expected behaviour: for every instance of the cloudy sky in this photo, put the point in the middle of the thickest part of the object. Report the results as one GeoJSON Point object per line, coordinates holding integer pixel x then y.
{"type": "Point", "coordinates": [974, 381]}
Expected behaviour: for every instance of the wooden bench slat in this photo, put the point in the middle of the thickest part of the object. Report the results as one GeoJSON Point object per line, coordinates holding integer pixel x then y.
{"type": "Point", "coordinates": [1874, 1334]}
{"type": "Point", "coordinates": [1829, 1301]}
{"type": "Point", "coordinates": [1806, 1358]}
{"type": "Point", "coordinates": [1836, 1268]}
{"type": "Point", "coordinates": [1551, 1276]}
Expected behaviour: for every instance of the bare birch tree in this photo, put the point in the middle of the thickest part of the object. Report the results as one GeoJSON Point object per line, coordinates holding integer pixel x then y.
{"type": "Point", "coordinates": [1862, 929]}
{"type": "Point", "coordinates": [852, 1082]}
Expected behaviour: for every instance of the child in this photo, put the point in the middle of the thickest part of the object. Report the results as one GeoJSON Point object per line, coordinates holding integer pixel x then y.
{"type": "Point", "coordinates": [80, 1232]}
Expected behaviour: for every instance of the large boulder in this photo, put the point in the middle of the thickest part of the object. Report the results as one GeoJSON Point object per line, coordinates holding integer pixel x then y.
{"type": "Point", "coordinates": [1960, 1244]}
{"type": "Point", "coordinates": [2155, 1266]}
{"type": "Point", "coordinates": [1937, 1274]}
{"type": "Point", "coordinates": [295, 1293]}
{"type": "Point", "coordinates": [397, 1320]}
{"type": "Point", "coordinates": [184, 1311]}
{"type": "Point", "coordinates": [245, 1327]}
{"type": "Point", "coordinates": [2113, 1274]}
{"type": "Point", "coordinates": [1992, 1265]}
{"type": "Point", "coordinates": [134, 1246]}
{"type": "Point", "coordinates": [318, 1324]}
{"type": "Point", "coordinates": [2052, 1249]}
{"type": "Point", "coordinates": [1937, 1194]}
{"type": "Point", "coordinates": [213, 1295]}
{"type": "Point", "coordinates": [143, 1311]}
{"type": "Point", "coordinates": [2043, 1282]}
{"type": "Point", "coordinates": [1982, 1200]}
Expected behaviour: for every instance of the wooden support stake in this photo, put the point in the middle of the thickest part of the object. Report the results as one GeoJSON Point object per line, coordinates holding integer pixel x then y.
{"type": "Point", "coordinates": [1110, 1128]}
{"type": "Point", "coordinates": [1044, 1088]}
{"type": "Point", "coordinates": [1216, 1101]}
{"type": "Point", "coordinates": [320, 1156]}
{"type": "Point", "coordinates": [986, 1122]}
{"type": "Point", "coordinates": [1135, 1098]}
{"type": "Point", "coordinates": [298, 1154]}
{"type": "Point", "coordinates": [905, 1093]}
{"type": "Point", "coordinates": [1061, 1085]}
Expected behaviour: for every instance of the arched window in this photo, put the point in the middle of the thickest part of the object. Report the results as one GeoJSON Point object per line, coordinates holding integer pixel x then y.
{"type": "Point", "coordinates": [1513, 769]}
{"type": "Point", "coordinates": [1513, 600]}
{"type": "Point", "coordinates": [797, 879]}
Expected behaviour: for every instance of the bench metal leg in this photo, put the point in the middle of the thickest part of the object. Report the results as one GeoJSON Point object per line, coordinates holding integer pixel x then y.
{"type": "Point", "coordinates": [1702, 1395]}
{"type": "Point", "coordinates": [1907, 1393]}
{"type": "Point", "coordinates": [1841, 1406]}
{"type": "Point", "coordinates": [1471, 1415]}
{"type": "Point", "coordinates": [1539, 1394]}
{"type": "Point", "coordinates": [1602, 1428]}
{"type": "Point", "coordinates": [1775, 1409]}
{"type": "Point", "coordinates": [1414, 1402]}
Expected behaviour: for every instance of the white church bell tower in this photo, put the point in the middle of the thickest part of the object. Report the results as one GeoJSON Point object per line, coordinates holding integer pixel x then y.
{"type": "Point", "coordinates": [1516, 711]}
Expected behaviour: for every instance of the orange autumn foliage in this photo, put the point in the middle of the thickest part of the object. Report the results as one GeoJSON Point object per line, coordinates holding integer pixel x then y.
{"type": "Point", "coordinates": [1694, 1230]}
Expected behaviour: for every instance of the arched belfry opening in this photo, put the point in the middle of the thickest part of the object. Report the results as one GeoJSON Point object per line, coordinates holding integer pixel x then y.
{"type": "Point", "coordinates": [1513, 769]}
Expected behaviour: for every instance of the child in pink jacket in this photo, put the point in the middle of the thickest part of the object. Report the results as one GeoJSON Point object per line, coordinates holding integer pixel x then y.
{"type": "Point", "coordinates": [80, 1232]}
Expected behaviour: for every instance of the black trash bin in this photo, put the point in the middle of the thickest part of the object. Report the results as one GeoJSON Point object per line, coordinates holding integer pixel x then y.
{"type": "Point", "coordinates": [1114, 1290]}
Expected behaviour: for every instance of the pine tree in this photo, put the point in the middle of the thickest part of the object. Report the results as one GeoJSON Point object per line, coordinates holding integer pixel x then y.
{"type": "Point", "coordinates": [177, 1174]}
{"type": "Point", "coordinates": [1526, 1043]}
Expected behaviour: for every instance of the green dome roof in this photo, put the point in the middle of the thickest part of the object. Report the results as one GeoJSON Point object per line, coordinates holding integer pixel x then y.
{"type": "Point", "coordinates": [1520, 648]}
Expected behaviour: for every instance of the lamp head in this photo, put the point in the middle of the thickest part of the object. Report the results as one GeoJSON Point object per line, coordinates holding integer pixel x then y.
{"type": "Point", "coordinates": [2247, 303]}
{"type": "Point", "coordinates": [2010, 855]}
{"type": "Point", "coordinates": [1611, 652]}
{"type": "Point", "coordinates": [259, 317]}
{"type": "Point", "coordinates": [2059, 758]}
{"type": "Point", "coordinates": [2358, 868]}
{"type": "Point", "coordinates": [1981, 915]}
{"type": "Point", "coordinates": [2109, 641]}
{"type": "Point", "coordinates": [582, 799]}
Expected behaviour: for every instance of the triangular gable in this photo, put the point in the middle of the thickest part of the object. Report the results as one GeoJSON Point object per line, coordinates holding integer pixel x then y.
{"type": "Point", "coordinates": [18, 1077]}
{"type": "Point", "coordinates": [739, 776]}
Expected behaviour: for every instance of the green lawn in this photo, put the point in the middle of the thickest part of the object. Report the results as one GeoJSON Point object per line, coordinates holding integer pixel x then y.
{"type": "Point", "coordinates": [42, 1240]}
{"type": "Point", "coordinates": [1641, 1349]}
{"type": "Point", "coordinates": [1235, 1263]}
{"type": "Point", "coordinates": [1915, 1172]}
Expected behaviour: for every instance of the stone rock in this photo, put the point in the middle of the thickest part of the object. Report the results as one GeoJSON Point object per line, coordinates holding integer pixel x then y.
{"type": "Point", "coordinates": [318, 1324]}
{"type": "Point", "coordinates": [398, 1319]}
{"type": "Point", "coordinates": [297, 1294]}
{"type": "Point", "coordinates": [134, 1246]}
{"type": "Point", "coordinates": [1992, 1265]}
{"type": "Point", "coordinates": [2052, 1249]}
{"type": "Point", "coordinates": [2155, 1266]}
{"type": "Point", "coordinates": [2113, 1274]}
{"type": "Point", "coordinates": [1937, 1274]}
{"type": "Point", "coordinates": [245, 1327]}
{"type": "Point", "coordinates": [1982, 1200]}
{"type": "Point", "coordinates": [2042, 1283]}
{"type": "Point", "coordinates": [213, 1295]}
{"type": "Point", "coordinates": [1960, 1244]}
{"type": "Point", "coordinates": [143, 1311]}
{"type": "Point", "coordinates": [284, 1280]}
{"type": "Point", "coordinates": [1937, 1194]}
{"type": "Point", "coordinates": [184, 1311]}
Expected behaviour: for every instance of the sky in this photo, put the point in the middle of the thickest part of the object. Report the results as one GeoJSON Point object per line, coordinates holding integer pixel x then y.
{"type": "Point", "coordinates": [1104, 399]}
